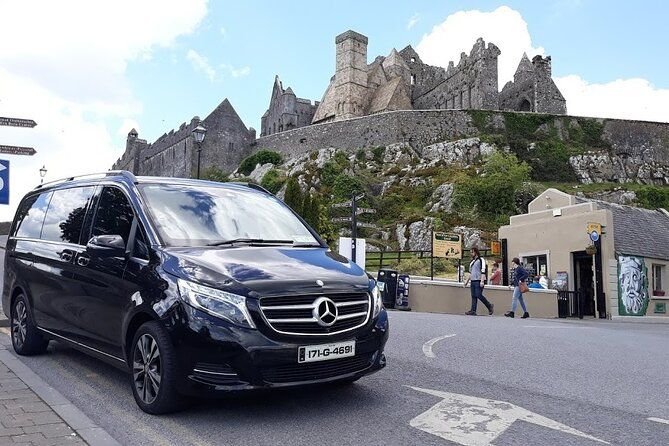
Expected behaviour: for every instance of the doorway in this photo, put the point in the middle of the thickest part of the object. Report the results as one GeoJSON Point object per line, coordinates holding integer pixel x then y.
{"type": "Point", "coordinates": [584, 282]}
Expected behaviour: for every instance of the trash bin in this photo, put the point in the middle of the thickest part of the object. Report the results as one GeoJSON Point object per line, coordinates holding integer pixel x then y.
{"type": "Point", "coordinates": [563, 304]}
{"type": "Point", "coordinates": [387, 280]}
{"type": "Point", "coordinates": [402, 300]}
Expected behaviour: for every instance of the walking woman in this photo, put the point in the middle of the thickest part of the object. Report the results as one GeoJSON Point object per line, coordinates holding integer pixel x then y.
{"type": "Point", "coordinates": [518, 277]}
{"type": "Point", "coordinates": [477, 273]}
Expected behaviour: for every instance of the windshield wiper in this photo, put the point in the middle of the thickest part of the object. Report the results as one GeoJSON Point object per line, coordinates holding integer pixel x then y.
{"type": "Point", "coordinates": [258, 241]}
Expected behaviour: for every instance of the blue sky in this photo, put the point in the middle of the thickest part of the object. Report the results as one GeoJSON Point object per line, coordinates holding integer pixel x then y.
{"type": "Point", "coordinates": [600, 41]}
{"type": "Point", "coordinates": [87, 71]}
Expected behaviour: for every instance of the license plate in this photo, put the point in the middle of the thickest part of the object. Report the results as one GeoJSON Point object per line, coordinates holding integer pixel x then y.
{"type": "Point", "coordinates": [324, 352]}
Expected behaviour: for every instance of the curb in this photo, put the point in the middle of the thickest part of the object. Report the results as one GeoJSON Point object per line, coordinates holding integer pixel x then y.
{"type": "Point", "coordinates": [90, 432]}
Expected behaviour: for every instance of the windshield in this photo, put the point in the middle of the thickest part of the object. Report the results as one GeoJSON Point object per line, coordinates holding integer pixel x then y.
{"type": "Point", "coordinates": [186, 215]}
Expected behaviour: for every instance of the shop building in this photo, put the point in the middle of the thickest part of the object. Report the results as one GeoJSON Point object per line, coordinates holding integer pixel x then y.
{"type": "Point", "coordinates": [621, 271]}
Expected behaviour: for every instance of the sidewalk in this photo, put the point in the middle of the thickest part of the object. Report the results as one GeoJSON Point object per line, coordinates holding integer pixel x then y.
{"type": "Point", "coordinates": [34, 413]}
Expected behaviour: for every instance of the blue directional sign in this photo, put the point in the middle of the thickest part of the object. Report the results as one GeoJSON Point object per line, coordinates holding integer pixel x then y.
{"type": "Point", "coordinates": [4, 182]}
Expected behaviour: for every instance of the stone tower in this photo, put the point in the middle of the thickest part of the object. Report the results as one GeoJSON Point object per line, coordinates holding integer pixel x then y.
{"type": "Point", "coordinates": [350, 85]}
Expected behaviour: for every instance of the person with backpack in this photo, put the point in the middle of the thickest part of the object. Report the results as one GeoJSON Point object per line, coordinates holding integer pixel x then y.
{"type": "Point", "coordinates": [518, 277]}
{"type": "Point", "coordinates": [477, 275]}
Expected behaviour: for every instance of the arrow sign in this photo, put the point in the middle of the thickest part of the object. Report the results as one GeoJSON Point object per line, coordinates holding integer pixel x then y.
{"type": "Point", "coordinates": [345, 204]}
{"type": "Point", "coordinates": [472, 421]}
{"type": "Point", "coordinates": [365, 211]}
{"type": "Point", "coordinates": [17, 122]}
{"type": "Point", "coordinates": [341, 219]}
{"type": "Point", "coordinates": [362, 224]}
{"type": "Point", "coordinates": [17, 150]}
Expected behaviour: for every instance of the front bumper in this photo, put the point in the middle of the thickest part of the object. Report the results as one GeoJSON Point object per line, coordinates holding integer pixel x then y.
{"type": "Point", "coordinates": [217, 357]}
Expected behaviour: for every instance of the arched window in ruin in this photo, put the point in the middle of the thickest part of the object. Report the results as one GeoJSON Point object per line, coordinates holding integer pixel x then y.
{"type": "Point", "coordinates": [525, 105]}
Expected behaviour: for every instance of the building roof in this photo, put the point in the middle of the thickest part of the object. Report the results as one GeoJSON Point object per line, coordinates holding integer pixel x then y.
{"type": "Point", "coordinates": [638, 231]}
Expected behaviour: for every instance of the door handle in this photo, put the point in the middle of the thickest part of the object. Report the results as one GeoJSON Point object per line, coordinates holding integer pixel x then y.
{"type": "Point", "coordinates": [66, 255]}
{"type": "Point", "coordinates": [83, 260]}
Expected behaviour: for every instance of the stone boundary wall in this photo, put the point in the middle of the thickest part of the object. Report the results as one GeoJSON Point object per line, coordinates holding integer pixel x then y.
{"type": "Point", "coordinates": [643, 140]}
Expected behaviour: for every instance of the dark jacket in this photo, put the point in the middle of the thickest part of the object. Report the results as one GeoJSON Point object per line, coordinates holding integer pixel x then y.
{"type": "Point", "coordinates": [520, 274]}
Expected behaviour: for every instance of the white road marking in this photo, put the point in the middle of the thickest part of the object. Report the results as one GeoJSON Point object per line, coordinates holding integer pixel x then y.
{"type": "Point", "coordinates": [427, 347]}
{"type": "Point", "coordinates": [472, 421]}
{"type": "Point", "coordinates": [558, 326]}
{"type": "Point", "coordinates": [658, 420]}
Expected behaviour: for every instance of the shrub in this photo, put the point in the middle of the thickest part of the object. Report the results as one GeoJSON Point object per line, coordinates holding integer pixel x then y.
{"type": "Point", "coordinates": [214, 174]}
{"type": "Point", "coordinates": [378, 153]}
{"type": "Point", "coordinates": [550, 162]}
{"type": "Point", "coordinates": [329, 173]}
{"type": "Point", "coordinates": [293, 197]}
{"type": "Point", "coordinates": [273, 180]}
{"type": "Point", "coordinates": [261, 157]}
{"type": "Point", "coordinates": [653, 197]}
{"type": "Point", "coordinates": [344, 186]}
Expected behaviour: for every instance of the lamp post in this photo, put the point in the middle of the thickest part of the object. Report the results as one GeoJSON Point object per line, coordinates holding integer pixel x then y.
{"type": "Point", "coordinates": [198, 135]}
{"type": "Point", "coordinates": [42, 174]}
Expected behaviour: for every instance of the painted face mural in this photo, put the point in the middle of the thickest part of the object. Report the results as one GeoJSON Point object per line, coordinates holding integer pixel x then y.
{"type": "Point", "coordinates": [632, 286]}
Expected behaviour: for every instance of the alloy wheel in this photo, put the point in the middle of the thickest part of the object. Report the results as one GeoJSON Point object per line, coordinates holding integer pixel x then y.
{"type": "Point", "coordinates": [146, 368]}
{"type": "Point", "coordinates": [19, 324]}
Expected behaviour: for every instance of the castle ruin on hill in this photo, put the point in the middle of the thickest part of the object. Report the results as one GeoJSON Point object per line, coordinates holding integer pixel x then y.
{"type": "Point", "coordinates": [399, 82]}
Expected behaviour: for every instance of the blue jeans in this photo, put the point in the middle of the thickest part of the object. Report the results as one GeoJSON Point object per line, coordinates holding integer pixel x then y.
{"type": "Point", "coordinates": [477, 294]}
{"type": "Point", "coordinates": [517, 297]}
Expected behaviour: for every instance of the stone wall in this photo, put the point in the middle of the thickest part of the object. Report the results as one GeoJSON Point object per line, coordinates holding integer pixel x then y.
{"type": "Point", "coordinates": [638, 151]}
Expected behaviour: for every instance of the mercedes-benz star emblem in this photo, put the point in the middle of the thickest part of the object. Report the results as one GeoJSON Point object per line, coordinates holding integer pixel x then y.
{"type": "Point", "coordinates": [319, 282]}
{"type": "Point", "coordinates": [325, 312]}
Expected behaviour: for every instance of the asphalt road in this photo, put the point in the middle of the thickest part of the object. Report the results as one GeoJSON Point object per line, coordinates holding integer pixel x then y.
{"type": "Point", "coordinates": [602, 378]}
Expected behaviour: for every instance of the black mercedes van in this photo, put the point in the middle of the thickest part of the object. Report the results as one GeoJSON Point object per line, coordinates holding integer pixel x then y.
{"type": "Point", "coordinates": [194, 287]}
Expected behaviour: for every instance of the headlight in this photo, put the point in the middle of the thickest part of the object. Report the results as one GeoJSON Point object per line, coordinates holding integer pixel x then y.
{"type": "Point", "coordinates": [216, 302]}
{"type": "Point", "coordinates": [376, 301]}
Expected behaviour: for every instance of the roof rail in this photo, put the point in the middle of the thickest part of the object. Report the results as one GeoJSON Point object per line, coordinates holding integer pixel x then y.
{"type": "Point", "coordinates": [110, 173]}
{"type": "Point", "coordinates": [252, 186]}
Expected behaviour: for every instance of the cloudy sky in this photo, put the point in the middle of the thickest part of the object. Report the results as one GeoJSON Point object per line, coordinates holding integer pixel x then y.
{"type": "Point", "coordinates": [89, 71]}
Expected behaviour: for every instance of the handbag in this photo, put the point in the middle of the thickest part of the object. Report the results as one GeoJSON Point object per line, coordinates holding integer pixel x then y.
{"type": "Point", "coordinates": [523, 287]}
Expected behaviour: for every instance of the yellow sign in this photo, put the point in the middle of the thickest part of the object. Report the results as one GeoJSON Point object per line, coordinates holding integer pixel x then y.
{"type": "Point", "coordinates": [447, 245]}
{"type": "Point", "coordinates": [496, 247]}
{"type": "Point", "coordinates": [594, 227]}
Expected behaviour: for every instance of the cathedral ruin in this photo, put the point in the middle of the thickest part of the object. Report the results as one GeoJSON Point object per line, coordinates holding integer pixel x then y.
{"type": "Point", "coordinates": [400, 81]}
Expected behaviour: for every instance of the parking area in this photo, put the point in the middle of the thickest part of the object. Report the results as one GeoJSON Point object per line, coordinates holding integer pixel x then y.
{"type": "Point", "coordinates": [449, 380]}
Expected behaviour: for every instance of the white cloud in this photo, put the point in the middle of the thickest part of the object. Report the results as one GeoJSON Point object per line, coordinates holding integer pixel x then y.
{"type": "Point", "coordinates": [223, 31]}
{"type": "Point", "coordinates": [621, 98]}
{"type": "Point", "coordinates": [236, 71]}
{"type": "Point", "coordinates": [413, 20]}
{"type": "Point", "coordinates": [504, 27]}
{"type": "Point", "coordinates": [65, 67]}
{"type": "Point", "coordinates": [201, 63]}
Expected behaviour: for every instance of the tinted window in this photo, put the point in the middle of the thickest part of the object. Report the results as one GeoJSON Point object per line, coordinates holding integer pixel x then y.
{"type": "Point", "coordinates": [114, 215]}
{"type": "Point", "coordinates": [187, 215]}
{"type": "Point", "coordinates": [66, 214]}
{"type": "Point", "coordinates": [30, 216]}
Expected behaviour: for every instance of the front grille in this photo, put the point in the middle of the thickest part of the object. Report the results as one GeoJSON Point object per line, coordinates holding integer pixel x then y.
{"type": "Point", "coordinates": [217, 374]}
{"type": "Point", "coordinates": [295, 314]}
{"type": "Point", "coordinates": [316, 370]}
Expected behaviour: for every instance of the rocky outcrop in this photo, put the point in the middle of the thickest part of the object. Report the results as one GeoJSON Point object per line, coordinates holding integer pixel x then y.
{"type": "Point", "coordinates": [618, 196]}
{"type": "Point", "coordinates": [463, 151]}
{"type": "Point", "coordinates": [442, 199]}
{"type": "Point", "coordinates": [260, 171]}
{"type": "Point", "coordinates": [601, 167]}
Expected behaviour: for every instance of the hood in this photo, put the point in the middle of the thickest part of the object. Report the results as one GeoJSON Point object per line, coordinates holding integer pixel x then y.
{"type": "Point", "coordinates": [267, 270]}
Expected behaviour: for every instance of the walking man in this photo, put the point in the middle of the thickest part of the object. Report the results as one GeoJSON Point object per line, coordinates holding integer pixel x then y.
{"type": "Point", "coordinates": [477, 272]}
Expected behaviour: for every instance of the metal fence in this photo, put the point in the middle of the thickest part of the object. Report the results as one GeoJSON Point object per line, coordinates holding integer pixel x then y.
{"type": "Point", "coordinates": [376, 260]}
{"type": "Point", "coordinates": [570, 304]}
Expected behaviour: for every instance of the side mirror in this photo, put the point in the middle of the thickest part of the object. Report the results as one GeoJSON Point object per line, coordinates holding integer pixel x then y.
{"type": "Point", "coordinates": [107, 245]}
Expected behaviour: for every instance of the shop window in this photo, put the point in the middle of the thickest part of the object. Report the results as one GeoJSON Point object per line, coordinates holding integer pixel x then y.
{"type": "Point", "coordinates": [536, 264]}
{"type": "Point", "coordinates": [659, 280]}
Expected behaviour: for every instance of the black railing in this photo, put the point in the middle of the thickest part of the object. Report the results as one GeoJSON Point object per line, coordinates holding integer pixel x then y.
{"type": "Point", "coordinates": [376, 260]}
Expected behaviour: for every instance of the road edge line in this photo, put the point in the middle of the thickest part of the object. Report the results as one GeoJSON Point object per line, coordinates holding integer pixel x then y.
{"type": "Point", "coordinates": [658, 420]}
{"type": "Point", "coordinates": [90, 432]}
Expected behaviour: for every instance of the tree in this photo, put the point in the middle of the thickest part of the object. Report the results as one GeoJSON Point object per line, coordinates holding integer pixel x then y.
{"type": "Point", "coordinates": [324, 226]}
{"type": "Point", "coordinates": [293, 197]}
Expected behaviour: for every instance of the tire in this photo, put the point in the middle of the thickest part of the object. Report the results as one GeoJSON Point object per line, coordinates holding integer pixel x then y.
{"type": "Point", "coordinates": [154, 385]}
{"type": "Point", "coordinates": [26, 338]}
